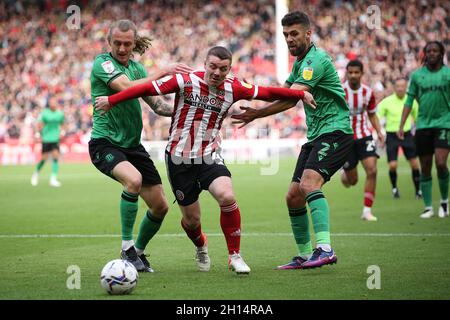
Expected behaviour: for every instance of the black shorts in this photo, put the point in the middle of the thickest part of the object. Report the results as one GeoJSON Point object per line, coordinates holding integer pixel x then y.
{"type": "Point", "coordinates": [50, 146]}
{"type": "Point", "coordinates": [188, 179]}
{"type": "Point", "coordinates": [325, 155]}
{"type": "Point", "coordinates": [105, 156]}
{"type": "Point", "coordinates": [429, 139]}
{"type": "Point", "coordinates": [362, 148]}
{"type": "Point", "coordinates": [393, 143]}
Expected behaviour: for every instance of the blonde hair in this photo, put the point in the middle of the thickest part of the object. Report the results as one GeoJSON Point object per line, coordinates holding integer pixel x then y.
{"type": "Point", "coordinates": [141, 43]}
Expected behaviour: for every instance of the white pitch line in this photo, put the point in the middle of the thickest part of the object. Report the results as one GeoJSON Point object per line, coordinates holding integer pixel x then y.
{"type": "Point", "coordinates": [251, 234]}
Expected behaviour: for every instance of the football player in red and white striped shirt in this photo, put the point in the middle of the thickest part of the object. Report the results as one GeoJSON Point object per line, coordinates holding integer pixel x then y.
{"type": "Point", "coordinates": [193, 159]}
{"type": "Point", "coordinates": [361, 102]}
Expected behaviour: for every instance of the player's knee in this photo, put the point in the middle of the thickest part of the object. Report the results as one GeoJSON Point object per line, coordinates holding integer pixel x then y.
{"type": "Point", "coordinates": [191, 222]}
{"type": "Point", "coordinates": [226, 198]}
{"type": "Point", "coordinates": [372, 173]}
{"type": "Point", "coordinates": [294, 198]}
{"type": "Point", "coordinates": [442, 169]}
{"type": "Point", "coordinates": [134, 183]}
{"type": "Point", "coordinates": [160, 210]}
{"type": "Point", "coordinates": [308, 186]}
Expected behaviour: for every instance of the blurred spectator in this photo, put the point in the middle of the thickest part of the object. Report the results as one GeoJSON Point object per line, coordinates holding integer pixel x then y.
{"type": "Point", "coordinates": [40, 56]}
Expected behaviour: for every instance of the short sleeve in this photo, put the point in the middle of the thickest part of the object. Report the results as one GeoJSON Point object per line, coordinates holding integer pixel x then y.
{"type": "Point", "coordinates": [371, 106]}
{"type": "Point", "coordinates": [310, 72]}
{"type": "Point", "coordinates": [411, 92]}
{"type": "Point", "coordinates": [106, 69]}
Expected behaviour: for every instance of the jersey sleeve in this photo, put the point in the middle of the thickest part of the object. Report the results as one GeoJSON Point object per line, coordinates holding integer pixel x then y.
{"type": "Point", "coordinates": [411, 92]}
{"type": "Point", "coordinates": [243, 90]}
{"type": "Point", "coordinates": [308, 74]}
{"type": "Point", "coordinates": [106, 69]}
{"type": "Point", "coordinates": [161, 86]}
{"type": "Point", "coordinates": [371, 105]}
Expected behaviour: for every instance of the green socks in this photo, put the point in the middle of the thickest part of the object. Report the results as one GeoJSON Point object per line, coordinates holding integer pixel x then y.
{"type": "Point", "coordinates": [320, 216]}
{"type": "Point", "coordinates": [426, 186]}
{"type": "Point", "coordinates": [149, 227]}
{"type": "Point", "coordinates": [128, 211]}
{"type": "Point", "coordinates": [443, 179]}
{"type": "Point", "coordinates": [40, 165]}
{"type": "Point", "coordinates": [300, 229]}
{"type": "Point", "coordinates": [55, 167]}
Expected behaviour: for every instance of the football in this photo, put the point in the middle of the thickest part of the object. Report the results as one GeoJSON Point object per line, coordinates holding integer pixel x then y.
{"type": "Point", "coordinates": [119, 277]}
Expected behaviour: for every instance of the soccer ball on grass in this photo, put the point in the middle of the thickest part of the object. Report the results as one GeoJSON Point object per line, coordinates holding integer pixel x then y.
{"type": "Point", "coordinates": [119, 277]}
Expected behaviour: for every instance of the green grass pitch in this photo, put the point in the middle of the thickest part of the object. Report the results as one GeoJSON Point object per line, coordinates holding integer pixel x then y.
{"type": "Point", "coordinates": [45, 230]}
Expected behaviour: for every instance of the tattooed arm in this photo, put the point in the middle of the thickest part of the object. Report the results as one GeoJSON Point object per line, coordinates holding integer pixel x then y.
{"type": "Point", "coordinates": [158, 105]}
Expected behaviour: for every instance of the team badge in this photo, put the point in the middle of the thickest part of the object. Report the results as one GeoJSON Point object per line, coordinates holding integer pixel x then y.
{"type": "Point", "coordinates": [109, 157]}
{"type": "Point", "coordinates": [307, 73]}
{"type": "Point", "coordinates": [108, 66]}
{"type": "Point", "coordinates": [180, 195]}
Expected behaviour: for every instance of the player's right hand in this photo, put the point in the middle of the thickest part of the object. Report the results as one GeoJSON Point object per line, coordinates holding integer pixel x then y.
{"type": "Point", "coordinates": [174, 68]}
{"type": "Point", "coordinates": [401, 134]}
{"type": "Point", "coordinates": [102, 104]}
{"type": "Point", "coordinates": [309, 100]}
{"type": "Point", "coordinates": [248, 116]}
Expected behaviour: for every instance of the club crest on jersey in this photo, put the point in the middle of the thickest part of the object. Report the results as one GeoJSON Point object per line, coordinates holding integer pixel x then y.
{"type": "Point", "coordinates": [108, 66]}
{"type": "Point", "coordinates": [247, 85]}
{"type": "Point", "coordinates": [307, 73]}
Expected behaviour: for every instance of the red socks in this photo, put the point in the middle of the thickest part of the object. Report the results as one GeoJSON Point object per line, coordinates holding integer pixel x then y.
{"type": "Point", "coordinates": [230, 221]}
{"type": "Point", "coordinates": [369, 198]}
{"type": "Point", "coordinates": [196, 235]}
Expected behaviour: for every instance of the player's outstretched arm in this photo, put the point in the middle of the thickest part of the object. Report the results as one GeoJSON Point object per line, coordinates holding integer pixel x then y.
{"type": "Point", "coordinates": [122, 82]}
{"type": "Point", "coordinates": [105, 103]}
{"type": "Point", "coordinates": [251, 114]}
{"type": "Point", "coordinates": [159, 106]}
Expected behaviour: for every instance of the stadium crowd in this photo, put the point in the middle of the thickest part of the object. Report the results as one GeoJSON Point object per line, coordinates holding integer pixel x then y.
{"type": "Point", "coordinates": [40, 56]}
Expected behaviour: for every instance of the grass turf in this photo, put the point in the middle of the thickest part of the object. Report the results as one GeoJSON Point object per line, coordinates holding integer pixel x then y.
{"type": "Point", "coordinates": [82, 225]}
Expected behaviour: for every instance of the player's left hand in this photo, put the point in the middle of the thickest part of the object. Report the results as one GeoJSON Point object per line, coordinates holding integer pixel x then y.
{"type": "Point", "coordinates": [102, 104]}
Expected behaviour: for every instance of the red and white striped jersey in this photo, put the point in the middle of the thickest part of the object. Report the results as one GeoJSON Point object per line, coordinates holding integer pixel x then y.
{"type": "Point", "coordinates": [199, 111]}
{"type": "Point", "coordinates": [359, 101]}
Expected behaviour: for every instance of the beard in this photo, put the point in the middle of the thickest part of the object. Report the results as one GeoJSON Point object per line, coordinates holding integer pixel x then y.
{"type": "Point", "coordinates": [299, 50]}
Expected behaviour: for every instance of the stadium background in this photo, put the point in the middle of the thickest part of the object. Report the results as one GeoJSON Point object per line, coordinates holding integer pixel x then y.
{"type": "Point", "coordinates": [40, 56]}
{"type": "Point", "coordinates": [44, 230]}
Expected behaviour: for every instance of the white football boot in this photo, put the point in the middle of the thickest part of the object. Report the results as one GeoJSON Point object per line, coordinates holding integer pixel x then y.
{"type": "Point", "coordinates": [427, 213]}
{"type": "Point", "coordinates": [443, 209]}
{"type": "Point", "coordinates": [202, 258]}
{"type": "Point", "coordinates": [35, 179]}
{"type": "Point", "coordinates": [237, 264]}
